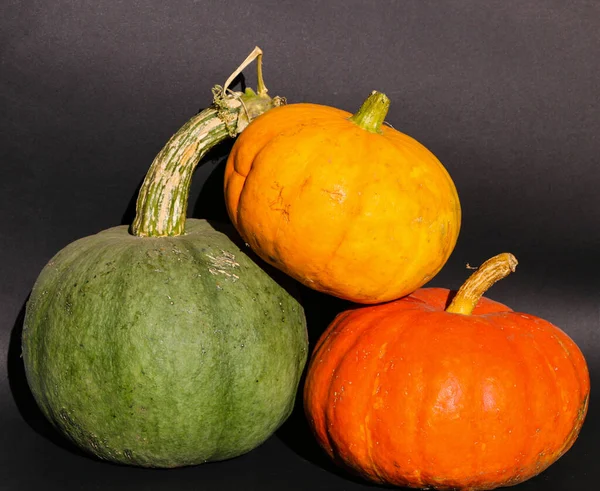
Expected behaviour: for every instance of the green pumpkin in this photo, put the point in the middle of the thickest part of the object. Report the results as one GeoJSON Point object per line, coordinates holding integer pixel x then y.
{"type": "Point", "coordinates": [165, 344]}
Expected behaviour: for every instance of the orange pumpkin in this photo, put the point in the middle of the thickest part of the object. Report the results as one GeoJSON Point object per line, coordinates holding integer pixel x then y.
{"type": "Point", "coordinates": [340, 202]}
{"type": "Point", "coordinates": [472, 396]}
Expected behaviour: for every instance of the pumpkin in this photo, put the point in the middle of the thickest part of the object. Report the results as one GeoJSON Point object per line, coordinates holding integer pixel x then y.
{"type": "Point", "coordinates": [164, 344]}
{"type": "Point", "coordinates": [340, 202]}
{"type": "Point", "coordinates": [469, 396]}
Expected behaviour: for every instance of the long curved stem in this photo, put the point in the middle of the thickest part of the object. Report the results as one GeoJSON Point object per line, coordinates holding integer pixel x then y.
{"type": "Point", "coordinates": [161, 206]}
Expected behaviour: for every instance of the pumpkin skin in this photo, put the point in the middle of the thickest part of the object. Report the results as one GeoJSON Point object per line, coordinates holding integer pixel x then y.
{"type": "Point", "coordinates": [410, 395]}
{"type": "Point", "coordinates": [163, 344]}
{"type": "Point", "coordinates": [162, 352]}
{"type": "Point", "coordinates": [364, 216]}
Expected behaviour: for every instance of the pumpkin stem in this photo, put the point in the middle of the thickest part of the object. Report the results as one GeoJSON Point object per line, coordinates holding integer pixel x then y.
{"type": "Point", "coordinates": [161, 206]}
{"type": "Point", "coordinates": [372, 113]}
{"type": "Point", "coordinates": [480, 281]}
{"type": "Point", "coordinates": [256, 54]}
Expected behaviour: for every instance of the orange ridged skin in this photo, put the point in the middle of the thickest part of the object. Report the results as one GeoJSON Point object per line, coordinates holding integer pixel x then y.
{"type": "Point", "coordinates": [407, 394]}
{"type": "Point", "coordinates": [368, 217]}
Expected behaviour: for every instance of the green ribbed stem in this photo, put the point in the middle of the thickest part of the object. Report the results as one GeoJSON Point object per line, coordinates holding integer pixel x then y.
{"type": "Point", "coordinates": [372, 113]}
{"type": "Point", "coordinates": [161, 207]}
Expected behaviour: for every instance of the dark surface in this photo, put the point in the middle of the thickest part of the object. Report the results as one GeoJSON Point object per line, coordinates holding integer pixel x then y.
{"type": "Point", "coordinates": [505, 93]}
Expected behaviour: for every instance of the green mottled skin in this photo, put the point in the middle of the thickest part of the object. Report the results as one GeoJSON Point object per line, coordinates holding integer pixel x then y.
{"type": "Point", "coordinates": [146, 351]}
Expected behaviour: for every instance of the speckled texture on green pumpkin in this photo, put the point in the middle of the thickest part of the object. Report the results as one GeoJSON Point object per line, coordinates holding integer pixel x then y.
{"type": "Point", "coordinates": [163, 351]}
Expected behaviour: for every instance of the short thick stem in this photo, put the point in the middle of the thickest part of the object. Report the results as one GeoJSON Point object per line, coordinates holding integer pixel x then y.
{"type": "Point", "coordinates": [372, 113]}
{"type": "Point", "coordinates": [480, 281]}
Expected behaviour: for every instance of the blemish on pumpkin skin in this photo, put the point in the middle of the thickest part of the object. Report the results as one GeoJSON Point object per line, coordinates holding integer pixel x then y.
{"type": "Point", "coordinates": [279, 198]}
{"type": "Point", "coordinates": [285, 212]}
{"type": "Point", "coordinates": [305, 183]}
{"type": "Point", "coordinates": [337, 194]}
{"type": "Point", "coordinates": [278, 203]}
{"type": "Point", "coordinates": [223, 264]}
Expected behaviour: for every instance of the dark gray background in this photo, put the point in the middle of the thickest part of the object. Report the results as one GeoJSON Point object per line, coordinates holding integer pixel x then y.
{"type": "Point", "coordinates": [505, 93]}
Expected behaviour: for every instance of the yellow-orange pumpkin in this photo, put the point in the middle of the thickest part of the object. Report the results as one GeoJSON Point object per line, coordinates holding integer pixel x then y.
{"type": "Point", "coordinates": [340, 202]}
{"type": "Point", "coordinates": [411, 393]}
